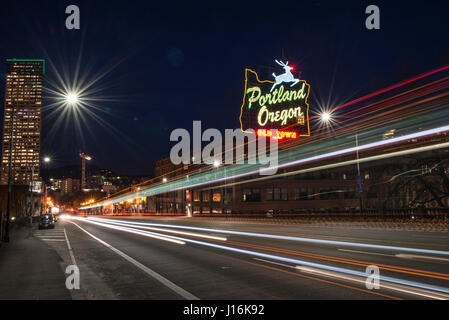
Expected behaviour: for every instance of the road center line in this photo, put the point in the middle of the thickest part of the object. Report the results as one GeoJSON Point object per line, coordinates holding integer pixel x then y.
{"type": "Point", "coordinates": [414, 256]}
{"type": "Point", "coordinates": [180, 291]}
{"type": "Point", "coordinates": [364, 252]}
{"type": "Point", "coordinates": [276, 263]}
{"type": "Point", "coordinates": [50, 236]}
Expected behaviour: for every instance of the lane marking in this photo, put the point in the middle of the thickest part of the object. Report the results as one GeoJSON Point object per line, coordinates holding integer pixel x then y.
{"type": "Point", "coordinates": [414, 256]}
{"type": "Point", "coordinates": [48, 232]}
{"type": "Point", "coordinates": [53, 239]}
{"type": "Point", "coordinates": [72, 256]}
{"type": "Point", "coordinates": [177, 289]}
{"type": "Point", "coordinates": [383, 284]}
{"type": "Point", "coordinates": [364, 252]}
{"type": "Point", "coordinates": [49, 236]}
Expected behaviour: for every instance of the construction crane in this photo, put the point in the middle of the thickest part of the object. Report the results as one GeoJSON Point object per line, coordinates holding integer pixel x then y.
{"type": "Point", "coordinates": [84, 157]}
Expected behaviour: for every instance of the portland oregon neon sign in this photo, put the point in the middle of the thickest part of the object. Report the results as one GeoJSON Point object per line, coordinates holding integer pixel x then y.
{"type": "Point", "coordinates": [280, 104]}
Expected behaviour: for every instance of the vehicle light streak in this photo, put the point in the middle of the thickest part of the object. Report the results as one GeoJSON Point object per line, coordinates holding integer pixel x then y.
{"type": "Point", "coordinates": [346, 261]}
{"type": "Point", "coordinates": [288, 260]}
{"type": "Point", "coordinates": [289, 238]}
{"type": "Point", "coordinates": [391, 88]}
{"type": "Point", "coordinates": [135, 231]}
{"type": "Point", "coordinates": [409, 271]}
{"type": "Point", "coordinates": [383, 285]}
{"type": "Point", "coordinates": [199, 235]}
{"type": "Point", "coordinates": [345, 163]}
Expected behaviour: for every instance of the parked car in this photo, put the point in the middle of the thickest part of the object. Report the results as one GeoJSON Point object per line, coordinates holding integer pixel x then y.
{"type": "Point", "coordinates": [46, 221]}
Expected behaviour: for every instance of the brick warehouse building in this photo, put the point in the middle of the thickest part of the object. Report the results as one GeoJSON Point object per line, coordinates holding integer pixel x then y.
{"type": "Point", "coordinates": [414, 183]}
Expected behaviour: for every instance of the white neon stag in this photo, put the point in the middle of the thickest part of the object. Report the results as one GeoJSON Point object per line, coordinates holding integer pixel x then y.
{"type": "Point", "coordinates": [287, 76]}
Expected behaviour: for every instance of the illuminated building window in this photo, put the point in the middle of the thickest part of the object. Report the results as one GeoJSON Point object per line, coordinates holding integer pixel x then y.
{"type": "Point", "coordinates": [196, 195]}
{"type": "Point", "coordinates": [206, 196]}
{"type": "Point", "coordinates": [216, 197]}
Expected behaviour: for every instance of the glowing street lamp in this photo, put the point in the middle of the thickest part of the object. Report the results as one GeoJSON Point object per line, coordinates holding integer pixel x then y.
{"type": "Point", "coordinates": [216, 163]}
{"type": "Point", "coordinates": [326, 117]}
{"type": "Point", "coordinates": [71, 98]}
{"type": "Point", "coordinates": [47, 159]}
{"type": "Point", "coordinates": [164, 179]}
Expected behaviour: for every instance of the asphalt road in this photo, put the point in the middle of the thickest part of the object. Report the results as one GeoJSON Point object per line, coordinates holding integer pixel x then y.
{"type": "Point", "coordinates": [118, 259]}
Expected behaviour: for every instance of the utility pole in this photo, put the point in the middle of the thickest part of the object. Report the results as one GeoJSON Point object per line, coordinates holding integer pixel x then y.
{"type": "Point", "coordinates": [359, 177]}
{"type": "Point", "coordinates": [8, 206]}
{"type": "Point", "coordinates": [31, 197]}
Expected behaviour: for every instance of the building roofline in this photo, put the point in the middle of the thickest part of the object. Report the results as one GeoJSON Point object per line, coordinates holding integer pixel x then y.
{"type": "Point", "coordinates": [14, 59]}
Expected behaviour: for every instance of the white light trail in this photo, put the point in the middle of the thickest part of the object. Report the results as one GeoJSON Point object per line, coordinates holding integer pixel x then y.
{"type": "Point", "coordinates": [383, 284]}
{"type": "Point", "coordinates": [199, 235]}
{"type": "Point", "coordinates": [295, 261]}
{"type": "Point", "coordinates": [290, 238]}
{"type": "Point", "coordinates": [135, 231]}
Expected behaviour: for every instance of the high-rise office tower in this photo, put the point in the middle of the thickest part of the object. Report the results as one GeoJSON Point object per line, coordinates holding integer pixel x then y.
{"type": "Point", "coordinates": [22, 120]}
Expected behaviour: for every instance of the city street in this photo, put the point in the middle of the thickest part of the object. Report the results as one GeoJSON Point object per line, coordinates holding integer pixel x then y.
{"type": "Point", "coordinates": [222, 159]}
{"type": "Point", "coordinates": [118, 260]}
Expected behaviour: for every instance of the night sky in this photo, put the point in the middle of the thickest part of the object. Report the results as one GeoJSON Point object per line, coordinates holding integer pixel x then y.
{"type": "Point", "coordinates": [167, 64]}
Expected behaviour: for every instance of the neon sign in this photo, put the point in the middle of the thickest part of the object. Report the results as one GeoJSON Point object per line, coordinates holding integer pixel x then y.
{"type": "Point", "coordinates": [280, 134]}
{"type": "Point", "coordinates": [279, 104]}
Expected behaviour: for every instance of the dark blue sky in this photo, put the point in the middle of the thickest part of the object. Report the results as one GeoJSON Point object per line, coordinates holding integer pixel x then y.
{"type": "Point", "coordinates": [171, 63]}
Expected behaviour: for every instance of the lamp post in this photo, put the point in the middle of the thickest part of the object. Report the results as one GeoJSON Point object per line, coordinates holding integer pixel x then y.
{"type": "Point", "coordinates": [359, 177]}
{"type": "Point", "coordinates": [217, 164]}
{"type": "Point", "coordinates": [8, 205]}
{"type": "Point", "coordinates": [31, 197]}
{"type": "Point", "coordinates": [46, 161]}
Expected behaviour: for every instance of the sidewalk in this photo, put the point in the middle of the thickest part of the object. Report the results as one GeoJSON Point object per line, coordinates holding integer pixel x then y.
{"type": "Point", "coordinates": [30, 269]}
